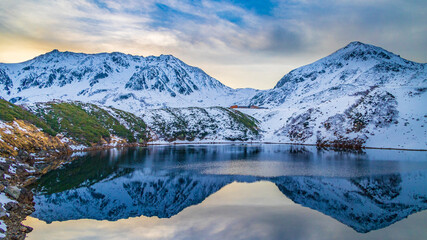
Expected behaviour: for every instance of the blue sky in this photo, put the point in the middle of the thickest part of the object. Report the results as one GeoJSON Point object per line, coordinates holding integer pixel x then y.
{"type": "Point", "coordinates": [241, 43]}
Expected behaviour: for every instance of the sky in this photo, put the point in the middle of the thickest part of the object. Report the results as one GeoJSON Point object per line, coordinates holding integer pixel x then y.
{"type": "Point", "coordinates": [242, 43]}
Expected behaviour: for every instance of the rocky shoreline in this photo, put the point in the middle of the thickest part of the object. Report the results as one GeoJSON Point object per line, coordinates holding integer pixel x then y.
{"type": "Point", "coordinates": [17, 174]}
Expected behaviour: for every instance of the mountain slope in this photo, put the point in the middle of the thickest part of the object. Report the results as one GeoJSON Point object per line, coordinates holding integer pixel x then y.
{"type": "Point", "coordinates": [59, 126]}
{"type": "Point", "coordinates": [359, 95]}
{"type": "Point", "coordinates": [89, 124]}
{"type": "Point", "coordinates": [201, 124]}
{"type": "Point", "coordinates": [124, 81]}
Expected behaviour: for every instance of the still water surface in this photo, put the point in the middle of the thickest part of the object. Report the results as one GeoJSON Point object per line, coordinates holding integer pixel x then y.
{"type": "Point", "coordinates": [234, 192]}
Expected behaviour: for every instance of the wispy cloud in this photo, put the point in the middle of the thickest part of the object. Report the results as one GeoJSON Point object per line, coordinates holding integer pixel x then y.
{"type": "Point", "coordinates": [227, 38]}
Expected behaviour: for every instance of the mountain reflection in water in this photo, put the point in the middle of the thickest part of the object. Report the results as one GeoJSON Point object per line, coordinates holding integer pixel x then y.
{"type": "Point", "coordinates": [366, 190]}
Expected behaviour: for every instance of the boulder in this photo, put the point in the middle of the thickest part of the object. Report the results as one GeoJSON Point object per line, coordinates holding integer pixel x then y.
{"type": "Point", "coordinates": [13, 191]}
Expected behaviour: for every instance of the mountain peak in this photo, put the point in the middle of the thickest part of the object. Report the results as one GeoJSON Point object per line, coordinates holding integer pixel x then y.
{"type": "Point", "coordinates": [359, 51]}
{"type": "Point", "coordinates": [52, 55]}
{"type": "Point", "coordinates": [55, 52]}
{"type": "Point", "coordinates": [357, 44]}
{"type": "Point", "coordinates": [168, 57]}
{"type": "Point", "coordinates": [354, 64]}
{"type": "Point", "coordinates": [361, 46]}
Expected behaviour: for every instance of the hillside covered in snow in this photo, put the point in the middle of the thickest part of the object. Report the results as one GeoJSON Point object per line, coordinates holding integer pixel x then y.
{"type": "Point", "coordinates": [213, 124]}
{"type": "Point", "coordinates": [359, 95]}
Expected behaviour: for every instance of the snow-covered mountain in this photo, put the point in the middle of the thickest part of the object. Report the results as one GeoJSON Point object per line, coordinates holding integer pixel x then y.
{"type": "Point", "coordinates": [359, 95]}
{"type": "Point", "coordinates": [353, 68]}
{"type": "Point", "coordinates": [124, 81]}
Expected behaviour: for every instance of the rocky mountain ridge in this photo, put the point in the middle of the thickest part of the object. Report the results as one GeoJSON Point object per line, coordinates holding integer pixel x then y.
{"type": "Point", "coordinates": [355, 68]}
{"type": "Point", "coordinates": [124, 81]}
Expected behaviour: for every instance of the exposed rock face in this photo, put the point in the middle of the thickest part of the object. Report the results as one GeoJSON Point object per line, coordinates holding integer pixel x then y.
{"type": "Point", "coordinates": [5, 81]}
{"type": "Point", "coordinates": [377, 109]}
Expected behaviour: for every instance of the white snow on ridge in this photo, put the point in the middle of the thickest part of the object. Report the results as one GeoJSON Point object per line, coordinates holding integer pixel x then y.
{"type": "Point", "coordinates": [127, 82]}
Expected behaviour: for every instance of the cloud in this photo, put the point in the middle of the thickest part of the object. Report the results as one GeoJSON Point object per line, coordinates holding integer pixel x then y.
{"type": "Point", "coordinates": [227, 38]}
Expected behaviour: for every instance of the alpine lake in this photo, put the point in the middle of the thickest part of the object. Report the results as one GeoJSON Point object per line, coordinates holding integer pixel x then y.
{"type": "Point", "coordinates": [233, 191]}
